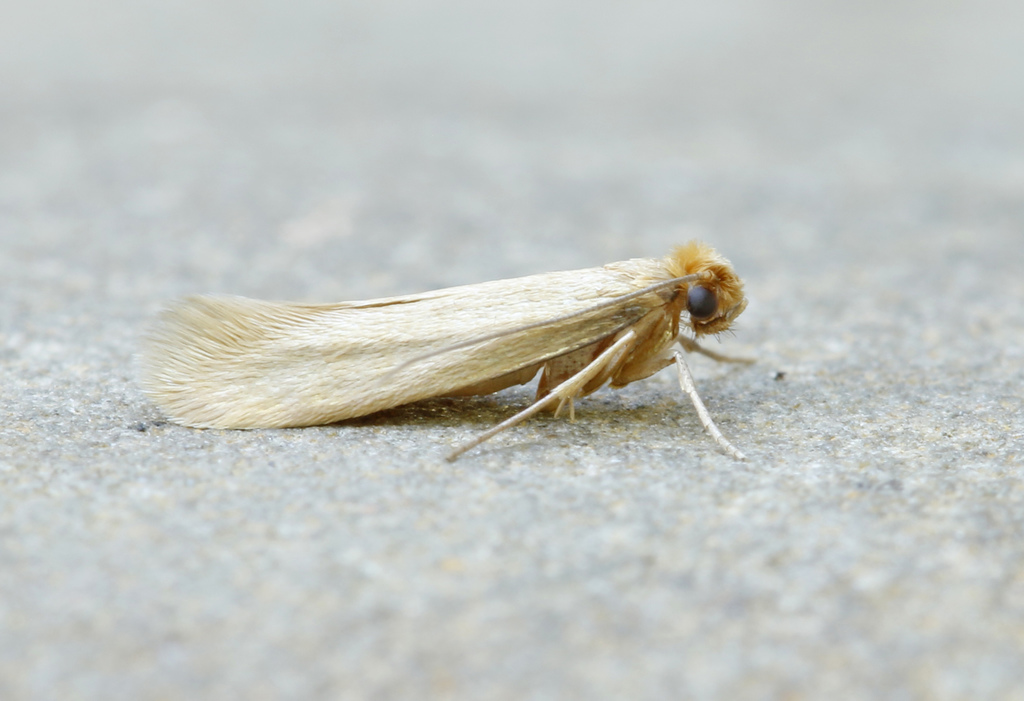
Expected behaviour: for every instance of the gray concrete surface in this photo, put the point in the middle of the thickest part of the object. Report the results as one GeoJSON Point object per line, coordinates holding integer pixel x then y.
{"type": "Point", "coordinates": [862, 165]}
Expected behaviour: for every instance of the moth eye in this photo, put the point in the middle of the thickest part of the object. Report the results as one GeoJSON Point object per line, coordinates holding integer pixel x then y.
{"type": "Point", "coordinates": [701, 302]}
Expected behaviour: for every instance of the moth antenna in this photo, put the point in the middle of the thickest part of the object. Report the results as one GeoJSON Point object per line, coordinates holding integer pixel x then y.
{"type": "Point", "coordinates": [694, 277]}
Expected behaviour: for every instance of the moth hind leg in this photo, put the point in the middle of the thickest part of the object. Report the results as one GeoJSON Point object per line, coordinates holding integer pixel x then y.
{"type": "Point", "coordinates": [562, 393]}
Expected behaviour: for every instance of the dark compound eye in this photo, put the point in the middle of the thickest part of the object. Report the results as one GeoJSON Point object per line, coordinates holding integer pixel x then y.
{"type": "Point", "coordinates": [701, 302]}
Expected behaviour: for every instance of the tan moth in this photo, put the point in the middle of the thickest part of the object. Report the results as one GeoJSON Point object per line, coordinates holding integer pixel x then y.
{"type": "Point", "coordinates": [232, 362]}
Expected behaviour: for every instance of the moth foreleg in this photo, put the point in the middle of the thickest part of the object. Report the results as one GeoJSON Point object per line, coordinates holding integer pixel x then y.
{"type": "Point", "coordinates": [686, 382]}
{"type": "Point", "coordinates": [691, 346]}
{"type": "Point", "coordinates": [562, 393]}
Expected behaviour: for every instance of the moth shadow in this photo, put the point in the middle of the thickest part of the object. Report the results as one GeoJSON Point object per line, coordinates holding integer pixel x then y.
{"type": "Point", "coordinates": [482, 412]}
{"type": "Point", "coordinates": [446, 412]}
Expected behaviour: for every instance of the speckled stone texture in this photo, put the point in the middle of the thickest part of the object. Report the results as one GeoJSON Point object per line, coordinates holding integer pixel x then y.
{"type": "Point", "coordinates": [862, 166]}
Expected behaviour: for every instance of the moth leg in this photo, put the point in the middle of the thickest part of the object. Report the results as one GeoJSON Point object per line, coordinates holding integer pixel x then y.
{"type": "Point", "coordinates": [686, 382]}
{"type": "Point", "coordinates": [561, 394]}
{"type": "Point", "coordinates": [691, 346]}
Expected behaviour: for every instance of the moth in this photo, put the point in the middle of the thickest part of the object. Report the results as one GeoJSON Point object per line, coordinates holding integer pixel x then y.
{"type": "Point", "coordinates": [232, 362]}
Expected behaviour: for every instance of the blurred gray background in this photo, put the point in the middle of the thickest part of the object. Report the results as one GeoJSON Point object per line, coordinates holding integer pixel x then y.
{"type": "Point", "coordinates": [862, 164]}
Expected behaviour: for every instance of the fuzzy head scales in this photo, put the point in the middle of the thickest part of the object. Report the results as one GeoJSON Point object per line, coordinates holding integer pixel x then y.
{"type": "Point", "coordinates": [720, 279]}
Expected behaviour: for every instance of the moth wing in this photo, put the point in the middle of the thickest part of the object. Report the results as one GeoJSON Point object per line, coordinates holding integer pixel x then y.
{"type": "Point", "coordinates": [231, 362]}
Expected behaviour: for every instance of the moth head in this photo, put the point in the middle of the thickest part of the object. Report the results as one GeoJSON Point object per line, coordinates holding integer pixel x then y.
{"type": "Point", "coordinates": [714, 301]}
